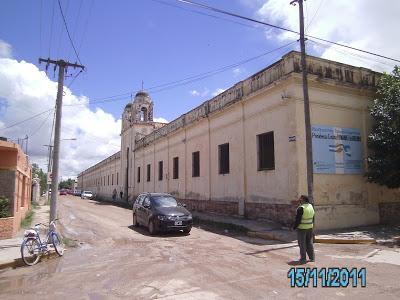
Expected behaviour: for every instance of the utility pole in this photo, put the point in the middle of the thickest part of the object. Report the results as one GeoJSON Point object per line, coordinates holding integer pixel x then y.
{"type": "Point", "coordinates": [62, 65]}
{"type": "Point", "coordinates": [48, 170]}
{"type": "Point", "coordinates": [309, 159]}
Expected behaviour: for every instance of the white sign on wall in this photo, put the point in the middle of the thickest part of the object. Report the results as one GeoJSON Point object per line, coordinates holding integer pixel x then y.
{"type": "Point", "coordinates": [336, 150]}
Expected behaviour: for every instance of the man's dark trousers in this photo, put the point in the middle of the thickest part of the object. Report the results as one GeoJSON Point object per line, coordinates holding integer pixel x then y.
{"type": "Point", "coordinates": [305, 240]}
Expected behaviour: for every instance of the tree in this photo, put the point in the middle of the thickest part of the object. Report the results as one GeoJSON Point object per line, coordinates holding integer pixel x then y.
{"type": "Point", "coordinates": [41, 175]}
{"type": "Point", "coordinates": [66, 184]}
{"type": "Point", "coordinates": [384, 140]}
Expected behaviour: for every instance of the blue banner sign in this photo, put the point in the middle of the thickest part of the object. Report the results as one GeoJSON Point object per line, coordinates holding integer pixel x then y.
{"type": "Point", "coordinates": [336, 150]}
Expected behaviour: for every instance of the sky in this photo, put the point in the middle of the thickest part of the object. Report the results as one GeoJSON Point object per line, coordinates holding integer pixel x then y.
{"type": "Point", "coordinates": [158, 42]}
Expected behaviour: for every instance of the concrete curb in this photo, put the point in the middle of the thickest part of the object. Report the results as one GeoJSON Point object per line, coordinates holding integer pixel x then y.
{"type": "Point", "coordinates": [18, 262]}
{"type": "Point", "coordinates": [15, 263]}
{"type": "Point", "coordinates": [344, 241]}
{"type": "Point", "coordinates": [269, 236]}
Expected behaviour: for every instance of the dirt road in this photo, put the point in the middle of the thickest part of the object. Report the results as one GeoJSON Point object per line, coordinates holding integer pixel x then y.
{"type": "Point", "coordinates": [116, 261]}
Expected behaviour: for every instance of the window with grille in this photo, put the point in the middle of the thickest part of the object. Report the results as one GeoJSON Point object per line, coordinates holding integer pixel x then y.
{"type": "Point", "coordinates": [196, 164]}
{"type": "Point", "coordinates": [148, 172]}
{"type": "Point", "coordinates": [265, 146]}
{"type": "Point", "coordinates": [175, 171]}
{"type": "Point", "coordinates": [223, 158]}
{"type": "Point", "coordinates": [160, 170]}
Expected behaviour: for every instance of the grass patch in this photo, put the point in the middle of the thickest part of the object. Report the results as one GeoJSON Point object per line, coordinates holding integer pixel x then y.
{"type": "Point", "coordinates": [70, 242]}
{"type": "Point", "coordinates": [219, 227]}
{"type": "Point", "coordinates": [27, 221]}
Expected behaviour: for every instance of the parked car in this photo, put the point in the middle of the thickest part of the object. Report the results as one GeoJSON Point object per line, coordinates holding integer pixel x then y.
{"type": "Point", "coordinates": [161, 212]}
{"type": "Point", "coordinates": [63, 193]}
{"type": "Point", "coordinates": [77, 193]}
{"type": "Point", "coordinates": [87, 195]}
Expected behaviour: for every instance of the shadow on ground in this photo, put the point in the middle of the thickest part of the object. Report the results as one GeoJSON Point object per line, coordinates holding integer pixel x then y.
{"type": "Point", "coordinates": [231, 230]}
{"type": "Point", "coordinates": [143, 230]}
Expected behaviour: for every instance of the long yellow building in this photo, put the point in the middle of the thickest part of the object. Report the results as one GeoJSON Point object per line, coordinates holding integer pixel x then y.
{"type": "Point", "coordinates": [243, 151]}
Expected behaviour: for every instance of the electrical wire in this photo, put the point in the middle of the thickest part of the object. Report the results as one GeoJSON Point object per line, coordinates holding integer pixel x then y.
{"type": "Point", "coordinates": [25, 120]}
{"type": "Point", "coordinates": [51, 29]}
{"type": "Point", "coordinates": [204, 14]}
{"type": "Point", "coordinates": [316, 12]}
{"type": "Point", "coordinates": [164, 86]}
{"type": "Point", "coordinates": [34, 132]}
{"type": "Point", "coordinates": [40, 27]}
{"type": "Point", "coordinates": [357, 56]}
{"type": "Point", "coordinates": [69, 36]}
{"type": "Point", "coordinates": [187, 80]}
{"type": "Point", "coordinates": [76, 24]}
{"type": "Point", "coordinates": [86, 26]}
{"type": "Point", "coordinates": [73, 79]}
{"type": "Point", "coordinates": [279, 27]}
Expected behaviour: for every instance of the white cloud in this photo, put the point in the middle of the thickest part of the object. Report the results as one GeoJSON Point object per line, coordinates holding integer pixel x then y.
{"type": "Point", "coordinates": [237, 71]}
{"type": "Point", "coordinates": [160, 119]}
{"type": "Point", "coordinates": [217, 92]}
{"type": "Point", "coordinates": [359, 23]}
{"type": "Point", "coordinates": [5, 49]}
{"type": "Point", "coordinates": [194, 93]}
{"type": "Point", "coordinates": [203, 93]}
{"type": "Point", "coordinates": [26, 91]}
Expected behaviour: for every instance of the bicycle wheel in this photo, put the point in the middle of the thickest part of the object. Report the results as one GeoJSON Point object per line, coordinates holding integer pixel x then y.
{"type": "Point", "coordinates": [30, 251]}
{"type": "Point", "coordinates": [57, 243]}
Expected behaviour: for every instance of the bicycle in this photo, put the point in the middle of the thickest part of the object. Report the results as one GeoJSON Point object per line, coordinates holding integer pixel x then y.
{"type": "Point", "coordinates": [32, 247]}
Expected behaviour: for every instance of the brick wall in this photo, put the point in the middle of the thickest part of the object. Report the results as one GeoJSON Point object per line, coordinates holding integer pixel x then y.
{"type": "Point", "coordinates": [222, 207]}
{"type": "Point", "coordinates": [389, 213]}
{"type": "Point", "coordinates": [7, 186]}
{"type": "Point", "coordinates": [6, 228]}
{"type": "Point", "coordinates": [280, 213]}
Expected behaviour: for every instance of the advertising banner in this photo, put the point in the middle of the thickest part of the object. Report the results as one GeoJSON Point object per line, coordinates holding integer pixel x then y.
{"type": "Point", "coordinates": [336, 150]}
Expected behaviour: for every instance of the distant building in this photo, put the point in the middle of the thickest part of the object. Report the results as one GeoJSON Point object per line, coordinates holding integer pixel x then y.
{"type": "Point", "coordinates": [15, 185]}
{"type": "Point", "coordinates": [243, 151]}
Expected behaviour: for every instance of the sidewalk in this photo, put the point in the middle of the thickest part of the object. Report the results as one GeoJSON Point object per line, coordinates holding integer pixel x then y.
{"type": "Point", "coordinates": [377, 234]}
{"type": "Point", "coordinates": [264, 229]}
{"type": "Point", "coordinates": [10, 255]}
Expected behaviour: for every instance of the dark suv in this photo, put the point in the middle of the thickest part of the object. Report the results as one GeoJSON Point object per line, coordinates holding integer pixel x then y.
{"type": "Point", "coordinates": [161, 212]}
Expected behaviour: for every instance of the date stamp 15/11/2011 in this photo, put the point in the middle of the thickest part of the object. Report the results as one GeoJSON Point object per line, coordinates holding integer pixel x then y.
{"type": "Point", "coordinates": [327, 277]}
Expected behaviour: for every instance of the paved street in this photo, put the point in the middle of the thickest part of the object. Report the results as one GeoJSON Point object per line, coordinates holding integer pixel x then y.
{"type": "Point", "coordinates": [115, 261]}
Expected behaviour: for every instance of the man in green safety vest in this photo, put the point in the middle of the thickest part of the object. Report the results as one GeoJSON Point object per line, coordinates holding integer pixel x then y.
{"type": "Point", "coordinates": [304, 224]}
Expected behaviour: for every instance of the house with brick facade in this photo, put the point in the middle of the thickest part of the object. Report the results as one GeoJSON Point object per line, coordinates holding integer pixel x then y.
{"type": "Point", "coordinates": [15, 185]}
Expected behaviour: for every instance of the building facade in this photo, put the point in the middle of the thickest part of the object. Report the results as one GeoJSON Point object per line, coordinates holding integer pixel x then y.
{"type": "Point", "coordinates": [15, 185]}
{"type": "Point", "coordinates": [243, 151]}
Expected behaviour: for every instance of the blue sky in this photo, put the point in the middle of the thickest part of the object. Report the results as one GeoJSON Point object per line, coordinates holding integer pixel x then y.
{"type": "Point", "coordinates": [125, 42]}
{"type": "Point", "coordinates": [122, 43]}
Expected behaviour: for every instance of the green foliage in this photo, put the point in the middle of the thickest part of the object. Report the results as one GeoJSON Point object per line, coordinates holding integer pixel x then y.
{"type": "Point", "coordinates": [27, 221]}
{"type": "Point", "coordinates": [4, 207]}
{"type": "Point", "coordinates": [66, 184]}
{"type": "Point", "coordinates": [42, 176]}
{"type": "Point", "coordinates": [384, 140]}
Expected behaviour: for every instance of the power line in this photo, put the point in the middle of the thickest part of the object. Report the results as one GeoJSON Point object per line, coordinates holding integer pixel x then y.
{"type": "Point", "coordinates": [316, 12]}
{"type": "Point", "coordinates": [69, 36]}
{"type": "Point", "coordinates": [34, 132]}
{"type": "Point", "coordinates": [40, 27]}
{"type": "Point", "coordinates": [348, 53]}
{"type": "Point", "coordinates": [164, 86]}
{"type": "Point", "coordinates": [73, 79]}
{"type": "Point", "coordinates": [278, 27]}
{"type": "Point", "coordinates": [188, 80]}
{"type": "Point", "coordinates": [86, 25]}
{"type": "Point", "coordinates": [203, 14]}
{"type": "Point", "coordinates": [76, 24]}
{"type": "Point", "coordinates": [51, 28]}
{"type": "Point", "coordinates": [30, 118]}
